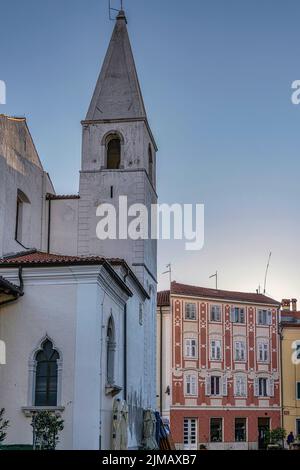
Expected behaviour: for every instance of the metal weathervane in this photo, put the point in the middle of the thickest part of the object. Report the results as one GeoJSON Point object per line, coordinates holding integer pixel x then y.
{"type": "Point", "coordinates": [111, 9]}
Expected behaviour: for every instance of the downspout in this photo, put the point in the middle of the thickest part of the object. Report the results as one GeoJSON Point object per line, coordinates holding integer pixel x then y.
{"type": "Point", "coordinates": [280, 332]}
{"type": "Point", "coordinates": [49, 224]}
{"type": "Point", "coordinates": [161, 362]}
{"type": "Point", "coordinates": [125, 364]}
{"type": "Point", "coordinates": [125, 352]}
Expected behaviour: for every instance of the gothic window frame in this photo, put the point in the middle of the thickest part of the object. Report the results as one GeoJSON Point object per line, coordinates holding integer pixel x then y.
{"type": "Point", "coordinates": [32, 365]}
{"type": "Point", "coordinates": [111, 348]}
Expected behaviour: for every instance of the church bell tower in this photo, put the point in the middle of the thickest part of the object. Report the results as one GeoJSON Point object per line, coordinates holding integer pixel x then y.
{"type": "Point", "coordinates": [118, 157]}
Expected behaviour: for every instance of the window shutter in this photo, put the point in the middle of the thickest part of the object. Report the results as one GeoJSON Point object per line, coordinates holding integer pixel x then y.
{"type": "Point", "coordinates": [243, 350]}
{"type": "Point", "coordinates": [232, 315]}
{"type": "Point", "coordinates": [258, 317]}
{"type": "Point", "coordinates": [271, 387]}
{"type": "Point", "coordinates": [235, 385]}
{"type": "Point", "coordinates": [244, 386]}
{"type": "Point", "coordinates": [225, 387]}
{"type": "Point", "coordinates": [208, 386]}
{"type": "Point", "coordinates": [260, 352]}
{"type": "Point", "coordinates": [194, 386]}
{"type": "Point", "coordinates": [242, 315]}
{"type": "Point", "coordinates": [269, 317]}
{"type": "Point", "coordinates": [218, 350]}
{"type": "Point", "coordinates": [256, 387]}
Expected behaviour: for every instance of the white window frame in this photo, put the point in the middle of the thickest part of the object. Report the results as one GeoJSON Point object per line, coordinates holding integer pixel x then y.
{"type": "Point", "coordinates": [219, 315]}
{"type": "Point", "coordinates": [240, 386]}
{"type": "Point", "coordinates": [190, 348]}
{"type": "Point", "coordinates": [215, 350]}
{"type": "Point", "coordinates": [240, 354]}
{"type": "Point", "coordinates": [191, 382]}
{"type": "Point", "coordinates": [32, 364]}
{"type": "Point", "coordinates": [236, 315]}
{"type": "Point", "coordinates": [187, 314]}
{"type": "Point", "coordinates": [267, 321]}
{"type": "Point", "coordinates": [187, 435]}
{"type": "Point", "coordinates": [263, 351]}
{"type": "Point", "coordinates": [215, 377]}
{"type": "Point", "coordinates": [266, 381]}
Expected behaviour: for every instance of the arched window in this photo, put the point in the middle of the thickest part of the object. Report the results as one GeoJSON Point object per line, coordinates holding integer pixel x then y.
{"type": "Point", "coordinates": [113, 149]}
{"type": "Point", "coordinates": [150, 158]}
{"type": "Point", "coordinates": [46, 376]}
{"type": "Point", "coordinates": [111, 349]}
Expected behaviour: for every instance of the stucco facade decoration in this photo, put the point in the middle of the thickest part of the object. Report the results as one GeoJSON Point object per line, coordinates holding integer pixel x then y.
{"type": "Point", "coordinates": [91, 303]}
{"type": "Point", "coordinates": [220, 371]}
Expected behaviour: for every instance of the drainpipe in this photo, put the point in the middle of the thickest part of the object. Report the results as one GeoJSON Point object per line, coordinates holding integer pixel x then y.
{"type": "Point", "coordinates": [125, 352]}
{"type": "Point", "coordinates": [281, 338]}
{"type": "Point", "coordinates": [49, 224]}
{"type": "Point", "coordinates": [161, 362]}
{"type": "Point", "coordinates": [125, 364]}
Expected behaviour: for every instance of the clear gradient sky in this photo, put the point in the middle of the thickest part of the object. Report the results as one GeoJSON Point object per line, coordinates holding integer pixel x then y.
{"type": "Point", "coordinates": [216, 77]}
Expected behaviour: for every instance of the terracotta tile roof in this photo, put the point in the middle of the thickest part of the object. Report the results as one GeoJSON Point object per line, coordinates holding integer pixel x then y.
{"type": "Point", "coordinates": [195, 291]}
{"type": "Point", "coordinates": [290, 318]}
{"type": "Point", "coordinates": [41, 258]}
{"type": "Point", "coordinates": [36, 258]}
{"type": "Point", "coordinates": [163, 298]}
{"type": "Point", "coordinates": [58, 197]}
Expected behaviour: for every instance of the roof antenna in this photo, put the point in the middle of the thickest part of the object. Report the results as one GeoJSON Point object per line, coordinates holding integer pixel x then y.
{"type": "Point", "coordinates": [216, 276]}
{"type": "Point", "coordinates": [169, 266]}
{"type": "Point", "coordinates": [267, 270]}
{"type": "Point", "coordinates": [111, 9]}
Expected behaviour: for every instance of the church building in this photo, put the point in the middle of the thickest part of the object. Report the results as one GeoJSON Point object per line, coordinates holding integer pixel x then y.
{"type": "Point", "coordinates": [77, 314]}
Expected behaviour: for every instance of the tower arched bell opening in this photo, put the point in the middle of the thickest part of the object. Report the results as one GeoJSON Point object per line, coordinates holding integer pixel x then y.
{"type": "Point", "coordinates": [113, 152]}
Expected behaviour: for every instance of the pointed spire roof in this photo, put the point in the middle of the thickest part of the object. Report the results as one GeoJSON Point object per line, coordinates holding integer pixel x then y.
{"type": "Point", "coordinates": [118, 94]}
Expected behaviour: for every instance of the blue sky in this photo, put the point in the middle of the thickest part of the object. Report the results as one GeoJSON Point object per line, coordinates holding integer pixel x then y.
{"type": "Point", "coordinates": [216, 77]}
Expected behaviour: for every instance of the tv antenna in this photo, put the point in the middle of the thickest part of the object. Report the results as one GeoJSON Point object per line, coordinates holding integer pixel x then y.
{"type": "Point", "coordinates": [216, 276]}
{"type": "Point", "coordinates": [267, 270]}
{"type": "Point", "coordinates": [169, 266]}
{"type": "Point", "coordinates": [112, 9]}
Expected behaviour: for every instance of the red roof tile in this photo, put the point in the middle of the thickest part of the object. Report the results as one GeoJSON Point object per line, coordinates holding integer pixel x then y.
{"type": "Point", "coordinates": [37, 258]}
{"type": "Point", "coordinates": [58, 197]}
{"type": "Point", "coordinates": [195, 291]}
{"type": "Point", "coordinates": [163, 298]}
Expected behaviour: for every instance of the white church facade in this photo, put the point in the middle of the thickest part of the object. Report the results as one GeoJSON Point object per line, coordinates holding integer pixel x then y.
{"type": "Point", "coordinates": [77, 314]}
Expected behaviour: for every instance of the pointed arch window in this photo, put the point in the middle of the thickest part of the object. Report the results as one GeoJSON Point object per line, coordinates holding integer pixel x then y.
{"type": "Point", "coordinates": [113, 150]}
{"type": "Point", "coordinates": [46, 375]}
{"type": "Point", "coordinates": [111, 350]}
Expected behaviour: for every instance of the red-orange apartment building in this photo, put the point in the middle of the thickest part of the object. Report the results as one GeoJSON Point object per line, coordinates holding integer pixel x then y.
{"type": "Point", "coordinates": [218, 370]}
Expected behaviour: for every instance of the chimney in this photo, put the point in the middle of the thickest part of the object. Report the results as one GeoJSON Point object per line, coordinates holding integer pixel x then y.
{"type": "Point", "coordinates": [294, 305]}
{"type": "Point", "coordinates": [286, 305]}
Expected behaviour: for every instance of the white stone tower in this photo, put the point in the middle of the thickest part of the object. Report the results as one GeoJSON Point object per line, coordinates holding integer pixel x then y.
{"type": "Point", "coordinates": [118, 157]}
